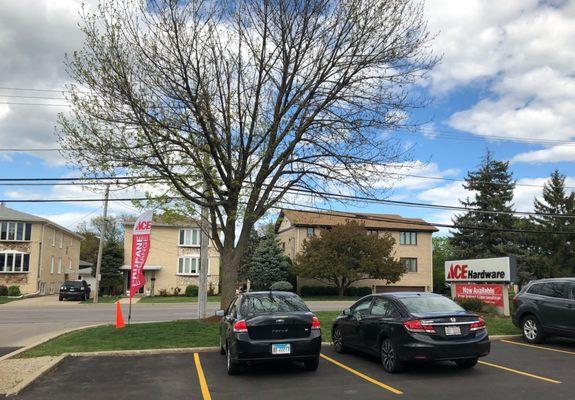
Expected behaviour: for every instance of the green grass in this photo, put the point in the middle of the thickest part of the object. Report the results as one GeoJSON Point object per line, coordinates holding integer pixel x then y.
{"type": "Point", "coordinates": [189, 333]}
{"type": "Point", "coordinates": [6, 299]}
{"type": "Point", "coordinates": [102, 299]}
{"type": "Point", "coordinates": [176, 299]}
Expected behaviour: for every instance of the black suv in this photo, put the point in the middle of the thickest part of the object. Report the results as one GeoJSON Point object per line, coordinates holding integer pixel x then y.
{"type": "Point", "coordinates": [546, 307]}
{"type": "Point", "coordinates": [75, 290]}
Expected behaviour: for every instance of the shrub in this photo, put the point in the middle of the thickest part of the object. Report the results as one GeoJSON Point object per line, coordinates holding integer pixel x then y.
{"type": "Point", "coordinates": [283, 286]}
{"type": "Point", "coordinates": [163, 292]}
{"type": "Point", "coordinates": [470, 304]}
{"type": "Point", "coordinates": [177, 291]}
{"type": "Point", "coordinates": [14, 290]}
{"type": "Point", "coordinates": [3, 290]}
{"type": "Point", "coordinates": [211, 290]}
{"type": "Point", "coordinates": [307, 291]}
{"type": "Point", "coordinates": [191, 290]}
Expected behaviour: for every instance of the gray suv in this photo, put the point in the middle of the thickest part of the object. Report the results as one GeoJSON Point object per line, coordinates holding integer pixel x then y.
{"type": "Point", "coordinates": [546, 307]}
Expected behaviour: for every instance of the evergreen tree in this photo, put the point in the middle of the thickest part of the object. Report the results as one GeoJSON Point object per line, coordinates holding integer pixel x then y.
{"type": "Point", "coordinates": [555, 253]}
{"type": "Point", "coordinates": [268, 264]}
{"type": "Point", "coordinates": [492, 185]}
{"type": "Point", "coordinates": [442, 251]}
{"type": "Point", "coordinates": [112, 259]}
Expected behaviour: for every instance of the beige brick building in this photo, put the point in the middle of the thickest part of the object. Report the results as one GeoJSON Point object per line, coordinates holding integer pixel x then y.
{"type": "Point", "coordinates": [412, 243]}
{"type": "Point", "coordinates": [174, 258]}
{"type": "Point", "coordinates": [35, 253]}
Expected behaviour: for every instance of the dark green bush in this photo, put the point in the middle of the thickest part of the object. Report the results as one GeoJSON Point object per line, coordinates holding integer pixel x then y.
{"type": "Point", "coordinates": [358, 291]}
{"type": "Point", "coordinates": [307, 291]}
{"type": "Point", "coordinates": [470, 304]}
{"type": "Point", "coordinates": [3, 290]}
{"type": "Point", "coordinates": [163, 292]}
{"type": "Point", "coordinates": [191, 291]}
{"type": "Point", "coordinates": [283, 286]}
{"type": "Point", "coordinates": [14, 290]}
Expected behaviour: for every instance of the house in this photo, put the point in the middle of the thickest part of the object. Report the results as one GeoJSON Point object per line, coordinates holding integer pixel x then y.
{"type": "Point", "coordinates": [35, 253]}
{"type": "Point", "coordinates": [174, 258]}
{"type": "Point", "coordinates": [412, 243]}
{"type": "Point", "coordinates": [85, 273]}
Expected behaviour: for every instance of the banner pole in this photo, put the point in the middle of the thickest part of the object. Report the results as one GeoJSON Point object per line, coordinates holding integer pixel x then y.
{"type": "Point", "coordinates": [130, 311]}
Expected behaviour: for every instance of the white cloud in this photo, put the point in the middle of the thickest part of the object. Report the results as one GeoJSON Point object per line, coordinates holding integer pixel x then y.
{"type": "Point", "coordinates": [413, 176]}
{"type": "Point", "coordinates": [522, 53]}
{"type": "Point", "coordinates": [551, 154]}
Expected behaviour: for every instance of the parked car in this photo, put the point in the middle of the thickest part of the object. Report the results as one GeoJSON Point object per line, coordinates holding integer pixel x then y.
{"type": "Point", "coordinates": [546, 307]}
{"type": "Point", "coordinates": [75, 290]}
{"type": "Point", "coordinates": [401, 327]}
{"type": "Point", "coordinates": [269, 326]}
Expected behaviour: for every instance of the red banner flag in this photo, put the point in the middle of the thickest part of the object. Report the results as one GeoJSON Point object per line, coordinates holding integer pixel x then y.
{"type": "Point", "coordinates": [140, 250]}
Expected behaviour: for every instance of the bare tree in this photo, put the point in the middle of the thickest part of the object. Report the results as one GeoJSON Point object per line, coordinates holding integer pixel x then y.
{"type": "Point", "coordinates": [232, 103]}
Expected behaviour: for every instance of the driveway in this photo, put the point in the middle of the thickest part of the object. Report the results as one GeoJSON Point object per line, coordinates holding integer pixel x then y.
{"type": "Point", "coordinates": [512, 371]}
{"type": "Point", "coordinates": [25, 322]}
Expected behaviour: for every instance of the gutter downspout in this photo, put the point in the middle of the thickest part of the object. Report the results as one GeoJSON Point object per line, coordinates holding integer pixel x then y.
{"type": "Point", "coordinates": [38, 283]}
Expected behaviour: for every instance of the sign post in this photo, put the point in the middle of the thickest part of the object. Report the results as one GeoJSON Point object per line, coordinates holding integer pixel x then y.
{"type": "Point", "coordinates": [487, 279]}
{"type": "Point", "coordinates": [140, 250]}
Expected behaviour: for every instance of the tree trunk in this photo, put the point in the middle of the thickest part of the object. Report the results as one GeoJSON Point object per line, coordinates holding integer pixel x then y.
{"type": "Point", "coordinates": [229, 276]}
{"type": "Point", "coordinates": [341, 290]}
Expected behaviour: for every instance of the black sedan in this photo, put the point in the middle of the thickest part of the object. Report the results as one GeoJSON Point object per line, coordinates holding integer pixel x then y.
{"type": "Point", "coordinates": [269, 326]}
{"type": "Point", "coordinates": [401, 327]}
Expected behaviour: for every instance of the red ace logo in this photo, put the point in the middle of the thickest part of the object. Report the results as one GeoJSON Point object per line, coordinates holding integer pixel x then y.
{"type": "Point", "coordinates": [457, 271]}
{"type": "Point", "coordinates": [143, 225]}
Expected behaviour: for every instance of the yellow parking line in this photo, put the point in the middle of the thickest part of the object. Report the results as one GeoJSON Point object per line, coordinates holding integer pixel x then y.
{"type": "Point", "coordinates": [538, 347]}
{"type": "Point", "coordinates": [203, 384]}
{"type": "Point", "coordinates": [515, 371]}
{"type": "Point", "coordinates": [363, 376]}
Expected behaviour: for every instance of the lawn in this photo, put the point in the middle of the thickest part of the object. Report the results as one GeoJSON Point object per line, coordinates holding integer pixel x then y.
{"type": "Point", "coordinates": [176, 299]}
{"type": "Point", "coordinates": [6, 299]}
{"type": "Point", "coordinates": [189, 333]}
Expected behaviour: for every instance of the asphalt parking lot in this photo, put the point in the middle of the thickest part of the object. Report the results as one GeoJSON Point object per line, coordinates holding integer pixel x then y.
{"type": "Point", "coordinates": [513, 370]}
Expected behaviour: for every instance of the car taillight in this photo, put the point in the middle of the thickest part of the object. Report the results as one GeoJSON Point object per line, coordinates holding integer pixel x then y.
{"type": "Point", "coordinates": [240, 326]}
{"type": "Point", "coordinates": [477, 325]}
{"type": "Point", "coordinates": [416, 326]}
{"type": "Point", "coordinates": [315, 323]}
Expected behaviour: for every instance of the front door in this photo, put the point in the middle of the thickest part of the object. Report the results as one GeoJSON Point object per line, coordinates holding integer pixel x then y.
{"type": "Point", "coordinates": [554, 305]}
{"type": "Point", "coordinates": [352, 327]}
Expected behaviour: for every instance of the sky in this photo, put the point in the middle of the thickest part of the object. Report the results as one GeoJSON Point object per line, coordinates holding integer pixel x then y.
{"type": "Point", "coordinates": [505, 83]}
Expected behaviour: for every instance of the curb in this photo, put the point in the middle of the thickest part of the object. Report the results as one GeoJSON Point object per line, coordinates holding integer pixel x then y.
{"type": "Point", "coordinates": [497, 337]}
{"type": "Point", "coordinates": [127, 353]}
{"type": "Point", "coordinates": [26, 382]}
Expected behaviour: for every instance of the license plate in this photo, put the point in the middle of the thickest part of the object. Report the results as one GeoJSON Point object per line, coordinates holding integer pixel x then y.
{"type": "Point", "coordinates": [72, 290]}
{"type": "Point", "coordinates": [452, 330]}
{"type": "Point", "coordinates": [281, 349]}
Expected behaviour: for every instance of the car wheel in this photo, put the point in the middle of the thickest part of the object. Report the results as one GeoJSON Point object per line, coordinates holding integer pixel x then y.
{"type": "Point", "coordinates": [467, 363]}
{"type": "Point", "coordinates": [222, 350]}
{"type": "Point", "coordinates": [232, 367]}
{"type": "Point", "coordinates": [311, 365]}
{"type": "Point", "coordinates": [389, 357]}
{"type": "Point", "coordinates": [61, 298]}
{"type": "Point", "coordinates": [532, 330]}
{"type": "Point", "coordinates": [337, 339]}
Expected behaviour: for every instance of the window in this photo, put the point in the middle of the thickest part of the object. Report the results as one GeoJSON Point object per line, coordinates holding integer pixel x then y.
{"type": "Point", "coordinates": [53, 237]}
{"type": "Point", "coordinates": [189, 237]}
{"type": "Point", "coordinates": [372, 232]}
{"type": "Point", "coordinates": [310, 232]}
{"type": "Point", "coordinates": [408, 238]}
{"type": "Point", "coordinates": [270, 303]}
{"type": "Point", "coordinates": [59, 265]}
{"type": "Point", "coordinates": [188, 265]}
{"type": "Point", "coordinates": [14, 262]}
{"type": "Point", "coordinates": [52, 264]}
{"type": "Point", "coordinates": [69, 263]}
{"type": "Point", "coordinates": [61, 239]}
{"type": "Point", "coordinates": [361, 307]}
{"type": "Point", "coordinates": [15, 231]}
{"type": "Point", "coordinates": [554, 289]}
{"type": "Point", "coordinates": [410, 264]}
{"type": "Point", "coordinates": [384, 308]}
{"type": "Point", "coordinates": [430, 304]}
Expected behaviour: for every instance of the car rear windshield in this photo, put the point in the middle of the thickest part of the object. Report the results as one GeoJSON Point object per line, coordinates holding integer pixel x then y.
{"type": "Point", "coordinates": [430, 304]}
{"type": "Point", "coordinates": [73, 283]}
{"type": "Point", "coordinates": [266, 304]}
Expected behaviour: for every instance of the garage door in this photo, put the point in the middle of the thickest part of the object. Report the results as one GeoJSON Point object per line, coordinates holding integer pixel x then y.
{"type": "Point", "coordinates": [386, 289]}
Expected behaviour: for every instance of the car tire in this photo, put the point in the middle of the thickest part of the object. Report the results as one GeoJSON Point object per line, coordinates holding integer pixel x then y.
{"type": "Point", "coordinates": [61, 298]}
{"type": "Point", "coordinates": [389, 357]}
{"type": "Point", "coordinates": [532, 330]}
{"type": "Point", "coordinates": [311, 365]}
{"type": "Point", "coordinates": [337, 339]}
{"type": "Point", "coordinates": [232, 367]}
{"type": "Point", "coordinates": [222, 350]}
{"type": "Point", "coordinates": [467, 363]}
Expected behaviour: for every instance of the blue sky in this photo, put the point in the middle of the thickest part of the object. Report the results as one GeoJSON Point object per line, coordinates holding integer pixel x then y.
{"type": "Point", "coordinates": [507, 70]}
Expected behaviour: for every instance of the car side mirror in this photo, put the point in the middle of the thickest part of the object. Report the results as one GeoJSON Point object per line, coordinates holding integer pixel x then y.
{"type": "Point", "coordinates": [220, 313]}
{"type": "Point", "coordinates": [346, 311]}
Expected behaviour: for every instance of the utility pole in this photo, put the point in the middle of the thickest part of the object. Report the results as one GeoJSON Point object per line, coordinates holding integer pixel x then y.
{"type": "Point", "coordinates": [103, 229]}
{"type": "Point", "coordinates": [204, 260]}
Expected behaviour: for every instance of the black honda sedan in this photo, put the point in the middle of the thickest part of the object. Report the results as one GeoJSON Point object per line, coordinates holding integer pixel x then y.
{"type": "Point", "coordinates": [269, 326]}
{"type": "Point", "coordinates": [401, 327]}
